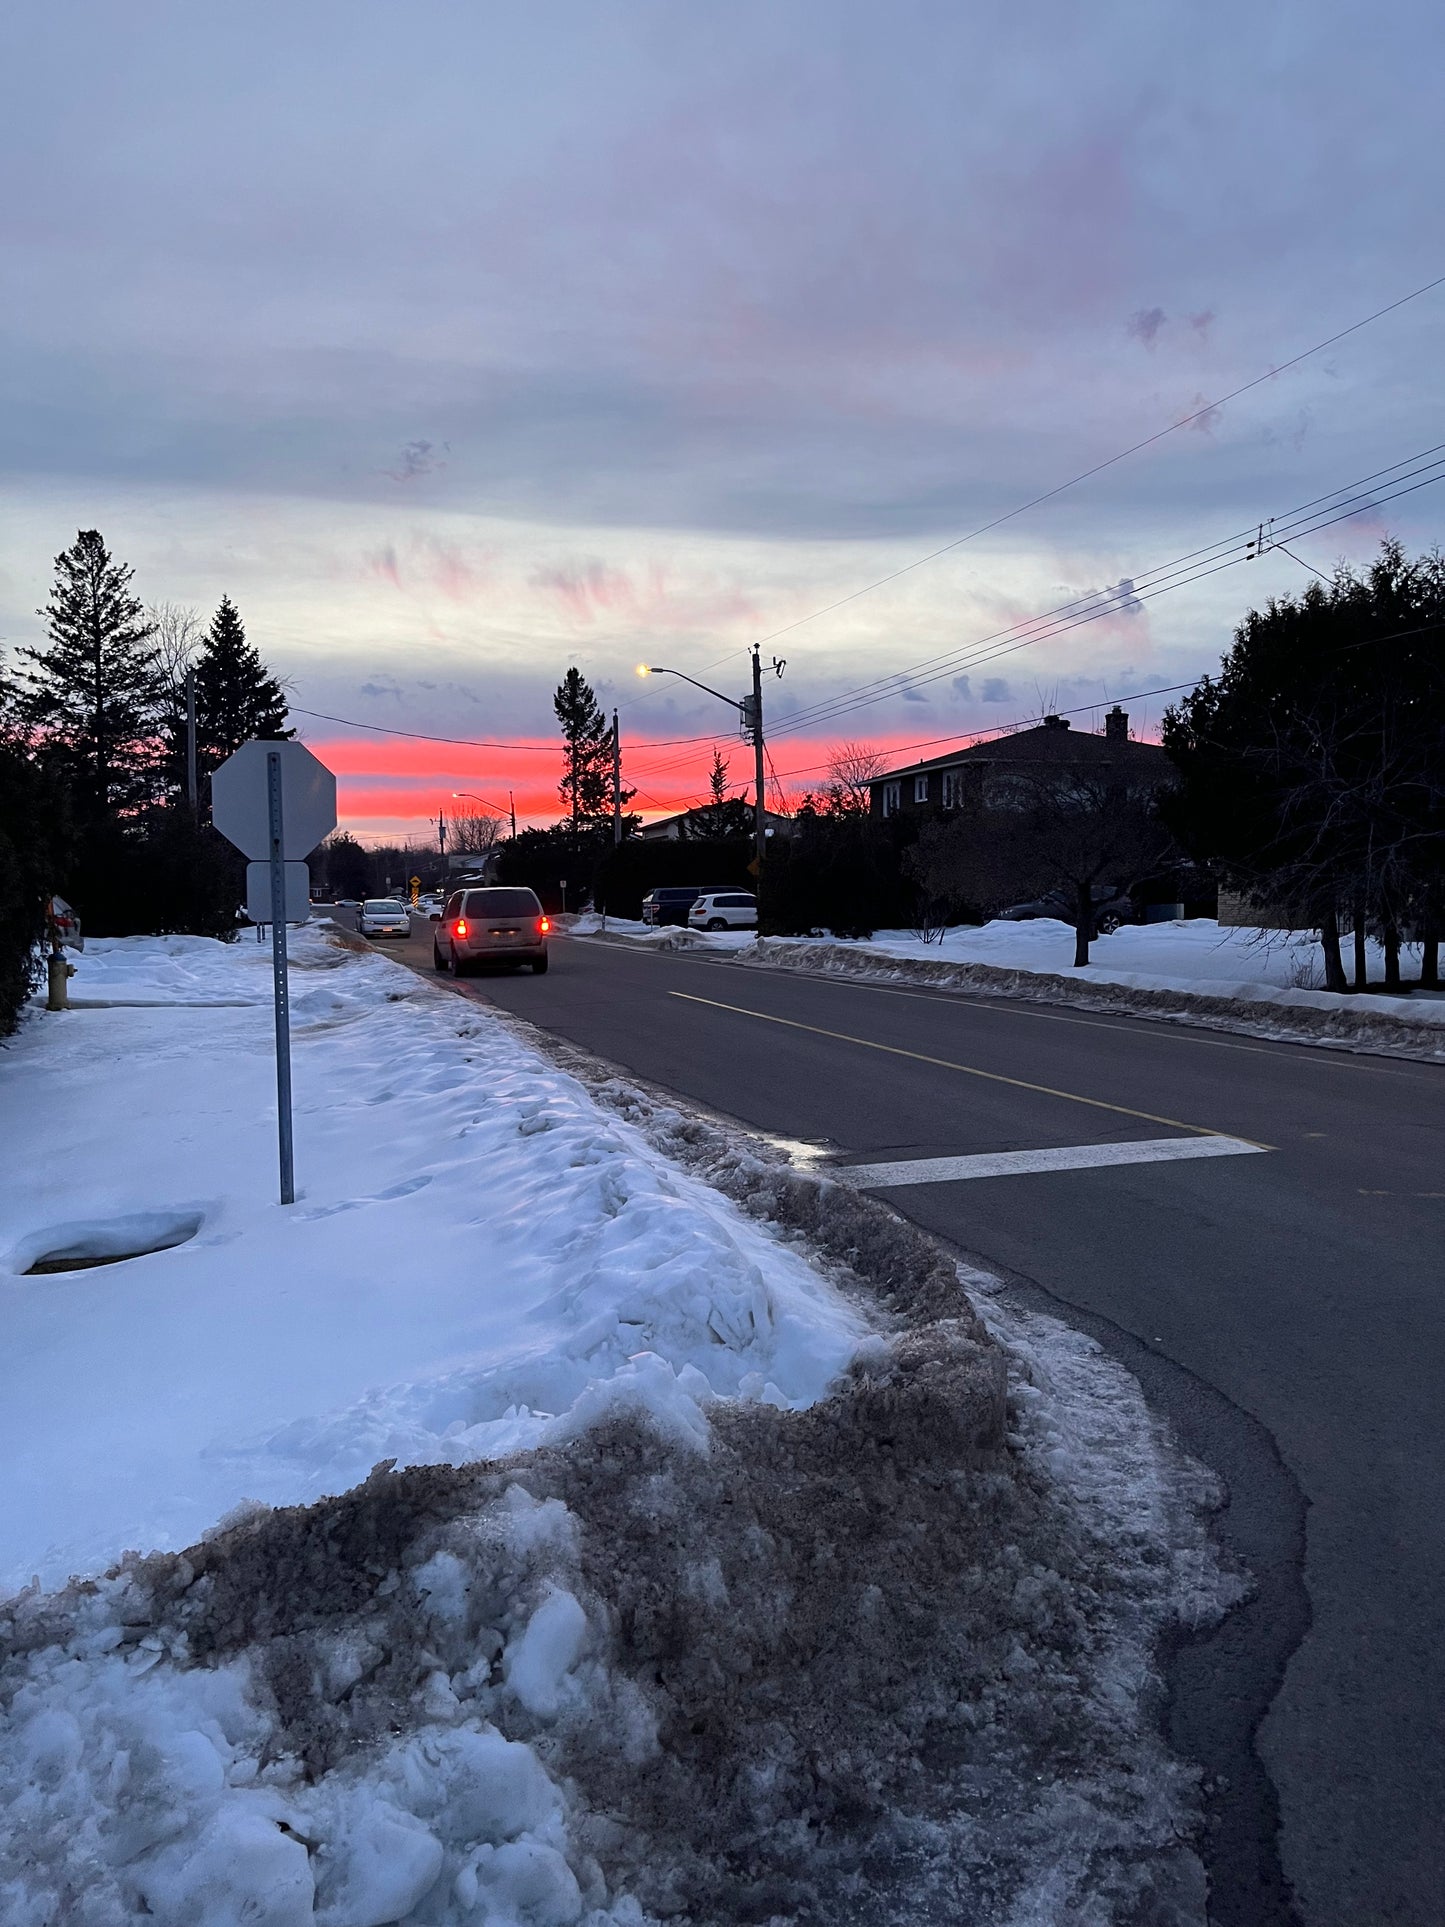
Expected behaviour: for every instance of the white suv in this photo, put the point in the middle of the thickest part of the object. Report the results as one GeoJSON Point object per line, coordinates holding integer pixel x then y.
{"type": "Point", "coordinates": [724, 910]}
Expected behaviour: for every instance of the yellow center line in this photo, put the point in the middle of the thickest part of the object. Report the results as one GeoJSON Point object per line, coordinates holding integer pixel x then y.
{"type": "Point", "coordinates": [968, 1070]}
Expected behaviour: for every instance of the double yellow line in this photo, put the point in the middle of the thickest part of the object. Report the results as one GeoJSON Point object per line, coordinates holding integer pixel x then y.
{"type": "Point", "coordinates": [967, 1070]}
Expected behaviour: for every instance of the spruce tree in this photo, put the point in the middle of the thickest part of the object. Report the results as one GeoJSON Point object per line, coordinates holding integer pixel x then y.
{"type": "Point", "coordinates": [586, 786]}
{"type": "Point", "coordinates": [237, 697]}
{"type": "Point", "coordinates": [93, 692]}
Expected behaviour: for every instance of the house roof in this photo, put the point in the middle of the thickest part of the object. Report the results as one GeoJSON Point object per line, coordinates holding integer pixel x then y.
{"type": "Point", "coordinates": [1050, 742]}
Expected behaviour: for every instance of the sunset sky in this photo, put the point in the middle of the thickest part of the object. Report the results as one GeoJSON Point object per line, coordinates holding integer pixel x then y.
{"type": "Point", "coordinates": [461, 343]}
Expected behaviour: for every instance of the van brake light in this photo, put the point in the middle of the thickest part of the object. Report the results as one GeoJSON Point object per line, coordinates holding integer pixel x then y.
{"type": "Point", "coordinates": [461, 929]}
{"type": "Point", "coordinates": [544, 924]}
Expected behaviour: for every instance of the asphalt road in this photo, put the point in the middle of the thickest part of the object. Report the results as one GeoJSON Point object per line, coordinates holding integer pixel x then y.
{"type": "Point", "coordinates": [1283, 1310]}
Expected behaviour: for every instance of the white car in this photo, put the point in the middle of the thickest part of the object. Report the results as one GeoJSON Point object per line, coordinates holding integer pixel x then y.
{"type": "Point", "coordinates": [384, 917]}
{"type": "Point", "coordinates": [724, 910]}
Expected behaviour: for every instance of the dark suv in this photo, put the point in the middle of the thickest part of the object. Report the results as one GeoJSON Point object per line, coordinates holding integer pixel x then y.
{"type": "Point", "coordinates": [670, 903]}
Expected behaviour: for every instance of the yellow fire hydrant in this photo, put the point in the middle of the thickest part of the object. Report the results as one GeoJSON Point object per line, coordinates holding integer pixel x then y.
{"type": "Point", "coordinates": [57, 980]}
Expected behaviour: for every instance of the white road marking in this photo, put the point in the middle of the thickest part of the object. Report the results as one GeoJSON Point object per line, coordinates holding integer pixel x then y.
{"type": "Point", "coordinates": [1013, 1164]}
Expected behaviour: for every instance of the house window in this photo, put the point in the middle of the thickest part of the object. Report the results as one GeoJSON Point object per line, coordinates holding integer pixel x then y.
{"type": "Point", "coordinates": [920, 789]}
{"type": "Point", "coordinates": [953, 789]}
{"type": "Point", "coordinates": [892, 797]}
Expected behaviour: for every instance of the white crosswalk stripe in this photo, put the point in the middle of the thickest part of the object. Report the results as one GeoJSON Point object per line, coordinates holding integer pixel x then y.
{"type": "Point", "coordinates": [1011, 1164]}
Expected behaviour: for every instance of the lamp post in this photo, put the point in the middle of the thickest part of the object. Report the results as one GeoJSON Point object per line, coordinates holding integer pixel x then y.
{"type": "Point", "coordinates": [750, 715]}
{"type": "Point", "coordinates": [511, 809]}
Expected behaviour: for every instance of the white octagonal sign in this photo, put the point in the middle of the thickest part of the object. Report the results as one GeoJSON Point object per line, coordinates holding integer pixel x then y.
{"type": "Point", "coordinates": [240, 802]}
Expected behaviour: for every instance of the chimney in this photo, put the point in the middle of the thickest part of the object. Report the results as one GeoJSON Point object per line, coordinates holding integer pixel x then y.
{"type": "Point", "coordinates": [1055, 722]}
{"type": "Point", "coordinates": [1116, 725]}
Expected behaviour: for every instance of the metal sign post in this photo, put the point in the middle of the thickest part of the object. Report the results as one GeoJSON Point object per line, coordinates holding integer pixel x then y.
{"type": "Point", "coordinates": [280, 976]}
{"type": "Point", "coordinates": [275, 802]}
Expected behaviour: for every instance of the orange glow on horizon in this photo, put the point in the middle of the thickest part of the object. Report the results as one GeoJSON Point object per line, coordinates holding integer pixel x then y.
{"type": "Point", "coordinates": [389, 786]}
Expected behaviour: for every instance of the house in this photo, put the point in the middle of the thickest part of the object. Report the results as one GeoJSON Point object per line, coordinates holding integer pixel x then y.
{"type": "Point", "coordinates": [977, 776]}
{"type": "Point", "coordinates": [691, 825]}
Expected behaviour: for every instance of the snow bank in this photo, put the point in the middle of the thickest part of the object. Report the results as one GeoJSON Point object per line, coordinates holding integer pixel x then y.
{"type": "Point", "coordinates": [1257, 981]}
{"type": "Point", "coordinates": [476, 1258]}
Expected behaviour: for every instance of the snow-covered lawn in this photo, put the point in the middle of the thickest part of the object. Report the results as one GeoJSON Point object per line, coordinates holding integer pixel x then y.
{"type": "Point", "coordinates": [474, 1250]}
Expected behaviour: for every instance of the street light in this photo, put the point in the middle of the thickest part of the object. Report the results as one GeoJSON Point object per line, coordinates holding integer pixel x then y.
{"type": "Point", "coordinates": [750, 713]}
{"type": "Point", "coordinates": [510, 810]}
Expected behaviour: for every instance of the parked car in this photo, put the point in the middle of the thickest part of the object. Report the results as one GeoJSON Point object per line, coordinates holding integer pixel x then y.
{"type": "Point", "coordinates": [1111, 908]}
{"type": "Point", "coordinates": [724, 910]}
{"type": "Point", "coordinates": [494, 925]}
{"type": "Point", "coordinates": [384, 917]}
{"type": "Point", "coordinates": [670, 903]}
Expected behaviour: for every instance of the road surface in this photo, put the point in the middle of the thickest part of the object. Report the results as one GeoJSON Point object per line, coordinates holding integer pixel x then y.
{"type": "Point", "coordinates": [1283, 1308]}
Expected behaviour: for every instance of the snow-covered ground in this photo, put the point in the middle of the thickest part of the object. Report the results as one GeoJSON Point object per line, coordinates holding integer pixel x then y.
{"type": "Point", "coordinates": [1197, 956]}
{"type": "Point", "coordinates": [474, 1250]}
{"type": "Point", "coordinates": [708, 1595]}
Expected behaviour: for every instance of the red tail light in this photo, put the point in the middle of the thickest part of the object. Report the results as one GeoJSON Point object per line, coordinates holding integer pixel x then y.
{"type": "Point", "coordinates": [544, 925]}
{"type": "Point", "coordinates": [461, 929]}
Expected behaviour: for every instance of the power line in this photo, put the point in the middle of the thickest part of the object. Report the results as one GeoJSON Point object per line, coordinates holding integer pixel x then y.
{"type": "Point", "coordinates": [1086, 610]}
{"type": "Point", "coordinates": [1354, 492]}
{"type": "Point", "coordinates": [459, 742]}
{"type": "Point", "coordinates": [1098, 468]}
{"type": "Point", "coordinates": [1319, 512]}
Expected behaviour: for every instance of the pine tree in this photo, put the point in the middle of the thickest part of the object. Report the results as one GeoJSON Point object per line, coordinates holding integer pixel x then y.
{"type": "Point", "coordinates": [237, 698]}
{"type": "Point", "coordinates": [586, 786]}
{"type": "Point", "coordinates": [93, 692]}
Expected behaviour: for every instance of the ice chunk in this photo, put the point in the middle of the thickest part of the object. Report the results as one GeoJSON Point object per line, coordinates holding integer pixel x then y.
{"type": "Point", "coordinates": [535, 1665]}
{"type": "Point", "coordinates": [238, 1870]}
{"type": "Point", "coordinates": [529, 1882]}
{"type": "Point", "coordinates": [378, 1869]}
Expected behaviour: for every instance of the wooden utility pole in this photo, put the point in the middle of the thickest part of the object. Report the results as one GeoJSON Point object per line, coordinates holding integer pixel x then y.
{"type": "Point", "coordinates": [616, 782]}
{"type": "Point", "coordinates": [760, 806]}
{"type": "Point", "coordinates": [192, 787]}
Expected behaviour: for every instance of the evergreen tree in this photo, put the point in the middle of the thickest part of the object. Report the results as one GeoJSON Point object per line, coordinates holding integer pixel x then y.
{"type": "Point", "coordinates": [93, 692]}
{"type": "Point", "coordinates": [586, 786]}
{"type": "Point", "coordinates": [1313, 764]}
{"type": "Point", "coordinates": [34, 852]}
{"type": "Point", "coordinates": [237, 698]}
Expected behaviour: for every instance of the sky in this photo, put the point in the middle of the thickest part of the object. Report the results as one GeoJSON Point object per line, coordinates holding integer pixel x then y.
{"type": "Point", "coordinates": [462, 343]}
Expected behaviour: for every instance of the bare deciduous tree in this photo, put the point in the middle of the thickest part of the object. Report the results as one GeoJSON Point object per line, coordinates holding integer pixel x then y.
{"type": "Point", "coordinates": [851, 768]}
{"type": "Point", "coordinates": [470, 833]}
{"type": "Point", "coordinates": [178, 631]}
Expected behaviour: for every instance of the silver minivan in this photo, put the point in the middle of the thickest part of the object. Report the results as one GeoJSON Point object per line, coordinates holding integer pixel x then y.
{"type": "Point", "coordinates": [498, 925]}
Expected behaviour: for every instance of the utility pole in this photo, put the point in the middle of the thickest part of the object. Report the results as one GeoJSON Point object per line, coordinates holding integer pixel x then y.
{"type": "Point", "coordinates": [760, 803]}
{"type": "Point", "coordinates": [616, 782]}
{"type": "Point", "coordinates": [513, 808]}
{"type": "Point", "coordinates": [442, 836]}
{"type": "Point", "coordinates": [192, 790]}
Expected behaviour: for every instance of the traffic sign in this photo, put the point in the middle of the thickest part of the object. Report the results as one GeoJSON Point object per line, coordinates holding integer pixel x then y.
{"type": "Point", "coordinates": [240, 808]}
{"type": "Point", "coordinates": [258, 892]}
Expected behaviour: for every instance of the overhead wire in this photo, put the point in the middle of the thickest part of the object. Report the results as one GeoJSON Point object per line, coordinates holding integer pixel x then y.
{"type": "Point", "coordinates": [1360, 495]}
{"type": "Point", "coordinates": [1098, 468]}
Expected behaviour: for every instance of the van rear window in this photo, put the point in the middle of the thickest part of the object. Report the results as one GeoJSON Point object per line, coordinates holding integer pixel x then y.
{"type": "Point", "coordinates": [502, 903]}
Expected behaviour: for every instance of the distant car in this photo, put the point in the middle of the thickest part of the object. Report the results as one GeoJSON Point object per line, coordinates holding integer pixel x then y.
{"type": "Point", "coordinates": [495, 925]}
{"type": "Point", "coordinates": [384, 917]}
{"type": "Point", "coordinates": [670, 903]}
{"type": "Point", "coordinates": [347, 903]}
{"type": "Point", "coordinates": [724, 910]}
{"type": "Point", "coordinates": [1111, 908]}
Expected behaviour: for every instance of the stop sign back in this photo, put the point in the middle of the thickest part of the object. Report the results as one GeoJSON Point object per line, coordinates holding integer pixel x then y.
{"type": "Point", "coordinates": [240, 806]}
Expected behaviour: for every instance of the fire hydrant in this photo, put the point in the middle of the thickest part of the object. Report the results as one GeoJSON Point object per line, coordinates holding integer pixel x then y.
{"type": "Point", "coordinates": [57, 979]}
